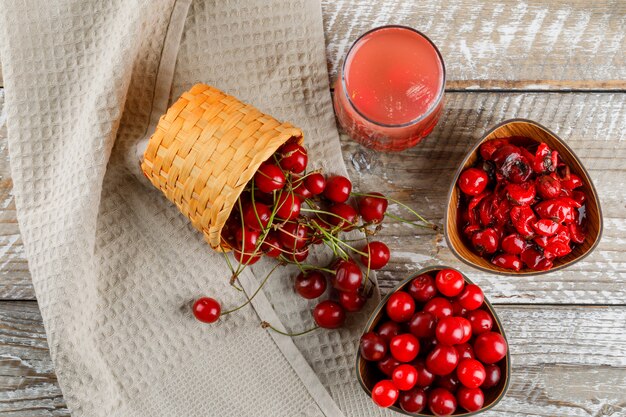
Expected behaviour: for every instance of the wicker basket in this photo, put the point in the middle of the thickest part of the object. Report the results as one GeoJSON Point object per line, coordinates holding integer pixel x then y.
{"type": "Point", "coordinates": [205, 150]}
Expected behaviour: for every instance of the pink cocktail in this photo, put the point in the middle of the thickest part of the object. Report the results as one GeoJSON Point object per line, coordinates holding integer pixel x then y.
{"type": "Point", "coordinates": [389, 93]}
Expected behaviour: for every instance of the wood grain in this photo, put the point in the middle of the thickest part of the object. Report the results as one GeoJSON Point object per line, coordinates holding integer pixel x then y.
{"type": "Point", "coordinates": [508, 44]}
{"type": "Point", "coordinates": [575, 369]}
{"type": "Point", "coordinates": [594, 125]}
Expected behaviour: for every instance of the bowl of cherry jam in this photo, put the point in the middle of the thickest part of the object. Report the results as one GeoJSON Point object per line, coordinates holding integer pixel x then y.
{"type": "Point", "coordinates": [521, 203]}
{"type": "Point", "coordinates": [434, 346]}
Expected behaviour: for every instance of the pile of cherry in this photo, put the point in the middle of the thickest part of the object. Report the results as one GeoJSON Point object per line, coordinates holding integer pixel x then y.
{"type": "Point", "coordinates": [521, 205]}
{"type": "Point", "coordinates": [285, 210]}
{"type": "Point", "coordinates": [437, 348]}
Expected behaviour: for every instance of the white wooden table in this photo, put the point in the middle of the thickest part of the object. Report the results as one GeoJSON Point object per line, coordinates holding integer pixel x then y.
{"type": "Point", "coordinates": [561, 63]}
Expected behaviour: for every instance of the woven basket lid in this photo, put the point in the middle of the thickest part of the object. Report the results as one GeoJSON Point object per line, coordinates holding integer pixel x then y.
{"type": "Point", "coordinates": [204, 151]}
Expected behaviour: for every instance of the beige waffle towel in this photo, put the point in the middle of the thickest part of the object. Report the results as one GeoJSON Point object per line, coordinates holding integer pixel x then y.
{"type": "Point", "coordinates": [114, 264]}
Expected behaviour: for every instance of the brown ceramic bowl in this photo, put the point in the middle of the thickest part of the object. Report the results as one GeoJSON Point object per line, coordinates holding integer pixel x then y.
{"type": "Point", "coordinates": [368, 374]}
{"type": "Point", "coordinates": [538, 133]}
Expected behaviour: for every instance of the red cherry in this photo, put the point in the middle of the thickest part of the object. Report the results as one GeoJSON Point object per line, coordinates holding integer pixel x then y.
{"type": "Point", "coordinates": [467, 329]}
{"type": "Point", "coordinates": [457, 309]}
{"type": "Point", "coordinates": [400, 306]}
{"type": "Point", "coordinates": [471, 297]}
{"type": "Point", "coordinates": [471, 399]}
{"type": "Point", "coordinates": [471, 373]}
{"type": "Point", "coordinates": [480, 320]}
{"type": "Point", "coordinates": [507, 261]}
{"type": "Point", "coordinates": [465, 351]}
{"type": "Point", "coordinates": [373, 207]}
{"type": "Point", "coordinates": [315, 183]}
{"type": "Point", "coordinates": [423, 288]}
{"type": "Point", "coordinates": [271, 245]}
{"type": "Point", "coordinates": [342, 215]}
{"type": "Point", "coordinates": [329, 315]}
{"type": "Point", "coordinates": [378, 255]}
{"type": "Point", "coordinates": [348, 276]}
{"type": "Point", "coordinates": [404, 347]}
{"type": "Point", "coordinates": [492, 378]}
{"type": "Point", "coordinates": [388, 330]}
{"type": "Point", "coordinates": [310, 285]}
{"type": "Point", "coordinates": [385, 393]}
{"type": "Point", "coordinates": [423, 324]}
{"type": "Point", "coordinates": [574, 181]}
{"type": "Point", "coordinates": [442, 360]}
{"type": "Point", "coordinates": [548, 187]}
{"type": "Point", "coordinates": [536, 260]}
{"type": "Point", "coordinates": [438, 307]}
{"type": "Point", "coordinates": [293, 236]}
{"type": "Point", "coordinates": [269, 177]}
{"type": "Point", "coordinates": [288, 206]}
{"type": "Point", "coordinates": [387, 365]}
{"type": "Point", "coordinates": [372, 347]}
{"type": "Point", "coordinates": [292, 157]}
{"type": "Point", "coordinates": [490, 347]}
{"type": "Point", "coordinates": [256, 216]}
{"type": "Point", "coordinates": [488, 148]}
{"type": "Point", "coordinates": [207, 310]}
{"type": "Point", "coordinates": [449, 382]}
{"type": "Point", "coordinates": [302, 192]}
{"type": "Point", "coordinates": [246, 239]}
{"type": "Point", "coordinates": [425, 378]}
{"type": "Point", "coordinates": [521, 194]}
{"type": "Point", "coordinates": [441, 402]}
{"type": "Point", "coordinates": [513, 244]}
{"type": "Point", "coordinates": [485, 241]}
{"type": "Point", "coordinates": [413, 401]}
{"type": "Point", "coordinates": [404, 377]}
{"type": "Point", "coordinates": [449, 331]}
{"type": "Point", "coordinates": [473, 181]}
{"type": "Point", "coordinates": [449, 282]}
{"type": "Point", "coordinates": [338, 189]}
{"type": "Point", "coordinates": [352, 301]}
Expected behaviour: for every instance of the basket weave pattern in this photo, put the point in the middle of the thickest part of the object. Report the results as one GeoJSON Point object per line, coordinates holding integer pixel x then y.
{"type": "Point", "coordinates": [204, 151]}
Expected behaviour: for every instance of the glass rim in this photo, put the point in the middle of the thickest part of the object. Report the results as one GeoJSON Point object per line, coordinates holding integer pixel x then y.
{"type": "Point", "coordinates": [432, 107]}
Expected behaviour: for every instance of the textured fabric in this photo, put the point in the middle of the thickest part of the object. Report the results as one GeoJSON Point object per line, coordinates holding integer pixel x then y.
{"type": "Point", "coordinates": [114, 265]}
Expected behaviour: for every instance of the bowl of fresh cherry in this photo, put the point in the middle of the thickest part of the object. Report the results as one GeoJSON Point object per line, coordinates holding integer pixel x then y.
{"type": "Point", "coordinates": [522, 203]}
{"type": "Point", "coordinates": [434, 346]}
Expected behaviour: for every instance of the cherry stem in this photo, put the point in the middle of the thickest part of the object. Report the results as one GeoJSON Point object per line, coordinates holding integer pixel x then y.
{"type": "Point", "coordinates": [400, 219]}
{"type": "Point", "coordinates": [249, 299]}
{"type": "Point", "coordinates": [266, 325]}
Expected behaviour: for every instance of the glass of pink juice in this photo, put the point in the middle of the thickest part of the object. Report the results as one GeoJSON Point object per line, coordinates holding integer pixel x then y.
{"type": "Point", "coordinates": [389, 93]}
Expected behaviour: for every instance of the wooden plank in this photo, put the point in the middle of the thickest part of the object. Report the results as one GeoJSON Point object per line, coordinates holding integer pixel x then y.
{"type": "Point", "coordinates": [594, 125]}
{"type": "Point", "coordinates": [577, 368]}
{"type": "Point", "coordinates": [503, 44]}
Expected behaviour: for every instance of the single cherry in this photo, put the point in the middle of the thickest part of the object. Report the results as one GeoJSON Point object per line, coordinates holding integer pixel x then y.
{"type": "Point", "coordinates": [404, 347]}
{"type": "Point", "coordinates": [293, 236]}
{"type": "Point", "coordinates": [385, 393]}
{"type": "Point", "coordinates": [378, 255]}
{"type": "Point", "coordinates": [413, 401]}
{"type": "Point", "coordinates": [271, 246]}
{"type": "Point", "coordinates": [352, 301]}
{"type": "Point", "coordinates": [342, 215]}
{"type": "Point", "coordinates": [348, 276]}
{"type": "Point", "coordinates": [490, 347]}
{"type": "Point", "coordinates": [441, 402]}
{"type": "Point", "coordinates": [507, 261]}
{"type": "Point", "coordinates": [388, 330]}
{"type": "Point", "coordinates": [256, 216]}
{"type": "Point", "coordinates": [404, 377]}
{"type": "Point", "coordinates": [473, 181]}
{"type": "Point", "coordinates": [480, 320]}
{"type": "Point", "coordinates": [471, 399]}
{"type": "Point", "coordinates": [310, 285]}
{"type": "Point", "coordinates": [372, 347]}
{"type": "Point", "coordinates": [471, 297]}
{"type": "Point", "coordinates": [471, 373]}
{"type": "Point", "coordinates": [373, 207]}
{"type": "Point", "coordinates": [449, 282]}
{"type": "Point", "coordinates": [492, 376]}
{"type": "Point", "coordinates": [387, 365]}
{"type": "Point", "coordinates": [269, 177]}
{"type": "Point", "coordinates": [449, 382]}
{"type": "Point", "coordinates": [315, 183]}
{"type": "Point", "coordinates": [292, 157]}
{"type": "Point", "coordinates": [400, 306]}
{"type": "Point", "coordinates": [288, 206]}
{"type": "Point", "coordinates": [449, 331]}
{"type": "Point", "coordinates": [329, 315]}
{"type": "Point", "coordinates": [438, 307]}
{"type": "Point", "coordinates": [485, 241]}
{"type": "Point", "coordinates": [465, 351]}
{"type": "Point", "coordinates": [338, 189]}
{"type": "Point", "coordinates": [513, 244]}
{"type": "Point", "coordinates": [423, 324]}
{"type": "Point", "coordinates": [423, 288]}
{"type": "Point", "coordinates": [207, 310]}
{"type": "Point", "coordinates": [425, 378]}
{"type": "Point", "coordinates": [442, 360]}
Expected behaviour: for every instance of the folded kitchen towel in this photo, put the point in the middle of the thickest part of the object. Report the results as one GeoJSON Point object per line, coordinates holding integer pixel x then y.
{"type": "Point", "coordinates": [115, 265]}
